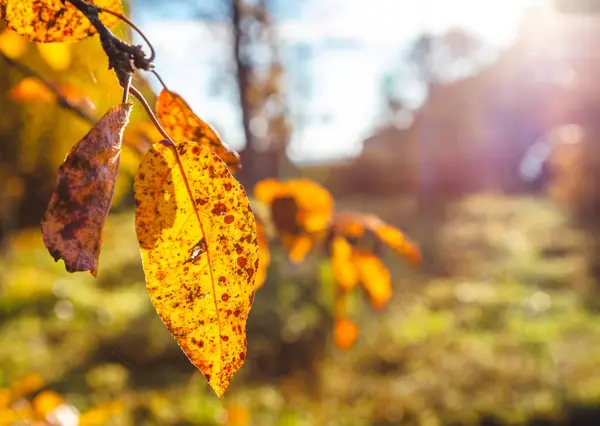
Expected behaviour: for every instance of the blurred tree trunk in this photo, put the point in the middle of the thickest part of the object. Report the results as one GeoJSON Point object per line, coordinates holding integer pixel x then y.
{"type": "Point", "coordinates": [259, 78]}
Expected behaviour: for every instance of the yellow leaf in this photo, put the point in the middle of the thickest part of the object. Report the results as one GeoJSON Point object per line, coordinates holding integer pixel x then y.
{"type": "Point", "coordinates": [354, 225]}
{"type": "Point", "coordinates": [345, 333]}
{"type": "Point", "coordinates": [49, 21]}
{"type": "Point", "coordinates": [27, 384]}
{"type": "Point", "coordinates": [101, 414]}
{"type": "Point", "coordinates": [30, 89]}
{"type": "Point", "coordinates": [12, 44]}
{"type": "Point", "coordinates": [56, 55]}
{"type": "Point", "coordinates": [396, 240]}
{"type": "Point", "coordinates": [5, 398]}
{"type": "Point", "coordinates": [265, 257]}
{"type": "Point", "coordinates": [72, 225]}
{"type": "Point", "coordinates": [180, 122]}
{"type": "Point", "coordinates": [238, 415]}
{"type": "Point", "coordinates": [298, 247]}
{"type": "Point", "coordinates": [344, 268]}
{"type": "Point", "coordinates": [374, 276]}
{"type": "Point", "coordinates": [46, 402]}
{"type": "Point", "coordinates": [199, 247]}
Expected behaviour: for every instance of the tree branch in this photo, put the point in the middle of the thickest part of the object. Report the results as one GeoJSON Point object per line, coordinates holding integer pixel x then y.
{"type": "Point", "coordinates": [62, 100]}
{"type": "Point", "coordinates": [123, 57]}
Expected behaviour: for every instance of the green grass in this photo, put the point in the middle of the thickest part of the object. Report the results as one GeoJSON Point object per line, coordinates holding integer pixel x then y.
{"type": "Point", "coordinates": [504, 334]}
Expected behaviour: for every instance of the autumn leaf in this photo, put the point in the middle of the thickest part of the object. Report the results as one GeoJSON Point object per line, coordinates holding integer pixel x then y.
{"type": "Point", "coordinates": [358, 225]}
{"type": "Point", "coordinates": [54, 20]}
{"type": "Point", "coordinates": [354, 262]}
{"type": "Point", "coordinates": [56, 55]}
{"type": "Point", "coordinates": [46, 402]}
{"type": "Point", "coordinates": [199, 247]}
{"type": "Point", "coordinates": [300, 210]}
{"type": "Point", "coordinates": [72, 225]}
{"type": "Point", "coordinates": [374, 276]}
{"type": "Point", "coordinates": [180, 122]}
{"type": "Point", "coordinates": [265, 257]}
{"type": "Point", "coordinates": [12, 44]}
{"type": "Point", "coordinates": [343, 267]}
{"type": "Point", "coordinates": [345, 333]}
{"type": "Point", "coordinates": [31, 89]}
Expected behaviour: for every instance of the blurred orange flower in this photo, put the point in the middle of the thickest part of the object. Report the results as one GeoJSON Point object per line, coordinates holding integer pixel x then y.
{"type": "Point", "coordinates": [300, 211]}
{"type": "Point", "coordinates": [354, 238]}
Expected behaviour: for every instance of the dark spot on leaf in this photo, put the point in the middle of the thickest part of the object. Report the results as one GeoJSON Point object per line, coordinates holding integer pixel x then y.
{"type": "Point", "coordinates": [222, 279]}
{"type": "Point", "coordinates": [228, 186]}
{"type": "Point", "coordinates": [241, 261]}
{"type": "Point", "coordinates": [219, 209]}
{"type": "Point", "coordinates": [250, 272]}
{"type": "Point", "coordinates": [225, 338]}
{"type": "Point", "coordinates": [196, 150]}
{"type": "Point", "coordinates": [142, 176]}
{"type": "Point", "coordinates": [225, 297]}
{"type": "Point", "coordinates": [242, 356]}
{"type": "Point", "coordinates": [68, 232]}
{"type": "Point", "coordinates": [228, 219]}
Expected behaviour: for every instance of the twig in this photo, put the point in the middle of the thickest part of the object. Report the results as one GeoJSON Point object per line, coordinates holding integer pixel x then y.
{"type": "Point", "coordinates": [122, 57]}
{"type": "Point", "coordinates": [136, 93]}
{"type": "Point", "coordinates": [62, 100]}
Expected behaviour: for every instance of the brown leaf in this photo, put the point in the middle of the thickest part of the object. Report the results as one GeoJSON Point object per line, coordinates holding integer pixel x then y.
{"type": "Point", "coordinates": [72, 225]}
{"type": "Point", "coordinates": [54, 20]}
{"type": "Point", "coordinates": [180, 122]}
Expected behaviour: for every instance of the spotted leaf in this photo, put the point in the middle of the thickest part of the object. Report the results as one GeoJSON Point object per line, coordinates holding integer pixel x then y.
{"type": "Point", "coordinates": [197, 235]}
{"type": "Point", "coordinates": [180, 122]}
{"type": "Point", "coordinates": [54, 20]}
{"type": "Point", "coordinates": [72, 225]}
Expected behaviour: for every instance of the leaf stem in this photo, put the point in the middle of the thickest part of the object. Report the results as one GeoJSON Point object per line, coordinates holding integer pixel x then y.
{"type": "Point", "coordinates": [137, 94]}
{"type": "Point", "coordinates": [160, 80]}
{"type": "Point", "coordinates": [126, 89]}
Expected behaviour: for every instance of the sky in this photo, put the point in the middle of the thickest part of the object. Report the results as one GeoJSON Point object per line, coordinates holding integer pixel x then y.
{"type": "Point", "coordinates": [336, 54]}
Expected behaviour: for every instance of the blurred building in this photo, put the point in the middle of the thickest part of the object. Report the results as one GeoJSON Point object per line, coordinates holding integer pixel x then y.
{"type": "Point", "coordinates": [471, 134]}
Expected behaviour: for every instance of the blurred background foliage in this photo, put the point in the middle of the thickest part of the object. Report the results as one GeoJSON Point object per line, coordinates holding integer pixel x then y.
{"type": "Point", "coordinates": [493, 172]}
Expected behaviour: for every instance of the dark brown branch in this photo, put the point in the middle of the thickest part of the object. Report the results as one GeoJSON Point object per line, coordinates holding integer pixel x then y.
{"type": "Point", "coordinates": [122, 57]}
{"type": "Point", "coordinates": [135, 28]}
{"type": "Point", "coordinates": [63, 102]}
{"type": "Point", "coordinates": [61, 99]}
